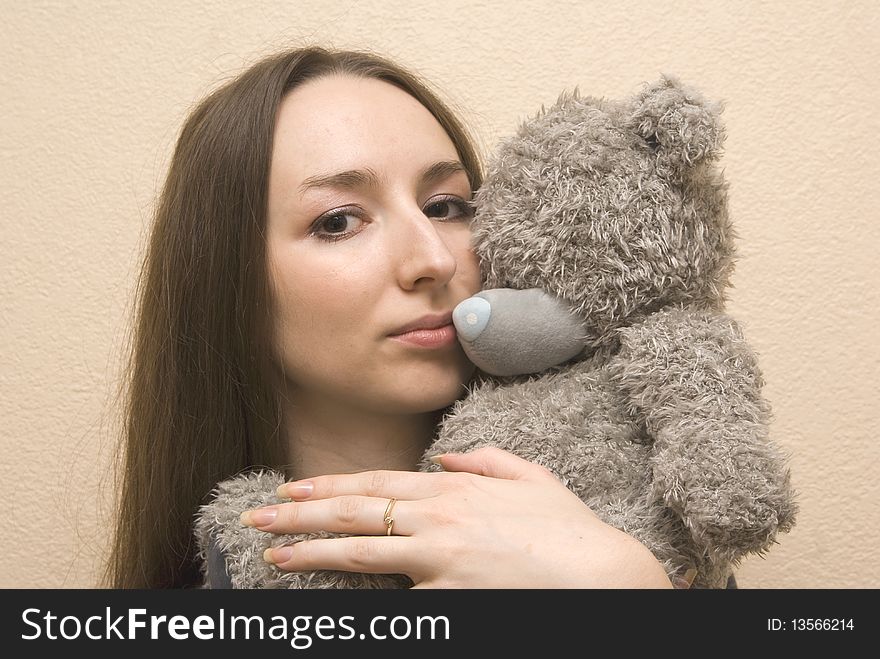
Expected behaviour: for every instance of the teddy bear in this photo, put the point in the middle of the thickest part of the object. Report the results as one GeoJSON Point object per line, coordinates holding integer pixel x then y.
{"type": "Point", "coordinates": [603, 348]}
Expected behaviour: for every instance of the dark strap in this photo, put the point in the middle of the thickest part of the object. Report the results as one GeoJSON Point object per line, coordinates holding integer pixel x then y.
{"type": "Point", "coordinates": [218, 577]}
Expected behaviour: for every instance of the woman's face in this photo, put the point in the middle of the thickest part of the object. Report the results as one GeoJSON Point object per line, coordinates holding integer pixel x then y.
{"type": "Point", "coordinates": [368, 231]}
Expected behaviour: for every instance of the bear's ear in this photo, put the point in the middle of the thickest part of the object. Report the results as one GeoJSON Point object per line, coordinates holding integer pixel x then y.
{"type": "Point", "coordinates": [678, 123]}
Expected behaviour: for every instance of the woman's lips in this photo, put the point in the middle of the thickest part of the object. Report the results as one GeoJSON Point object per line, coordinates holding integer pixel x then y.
{"type": "Point", "coordinates": [428, 338]}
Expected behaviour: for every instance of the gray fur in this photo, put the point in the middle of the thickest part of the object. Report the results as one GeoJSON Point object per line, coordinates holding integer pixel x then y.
{"type": "Point", "coordinates": [619, 209]}
{"type": "Point", "coordinates": [616, 207]}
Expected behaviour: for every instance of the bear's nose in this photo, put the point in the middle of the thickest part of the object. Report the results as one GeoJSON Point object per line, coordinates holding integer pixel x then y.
{"type": "Point", "coordinates": [471, 316]}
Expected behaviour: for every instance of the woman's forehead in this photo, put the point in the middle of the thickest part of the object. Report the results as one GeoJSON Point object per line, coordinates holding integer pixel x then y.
{"type": "Point", "coordinates": [342, 122]}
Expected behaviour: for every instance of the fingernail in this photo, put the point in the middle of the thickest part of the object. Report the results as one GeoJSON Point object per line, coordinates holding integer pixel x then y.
{"type": "Point", "coordinates": [436, 459]}
{"type": "Point", "coordinates": [296, 490]}
{"type": "Point", "coordinates": [684, 581]}
{"type": "Point", "coordinates": [260, 517]}
{"type": "Point", "coordinates": [278, 555]}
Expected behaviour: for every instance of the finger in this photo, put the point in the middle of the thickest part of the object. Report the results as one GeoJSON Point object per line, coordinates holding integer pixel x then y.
{"type": "Point", "coordinates": [388, 555]}
{"type": "Point", "coordinates": [345, 514]}
{"type": "Point", "coordinates": [493, 462]}
{"type": "Point", "coordinates": [380, 483]}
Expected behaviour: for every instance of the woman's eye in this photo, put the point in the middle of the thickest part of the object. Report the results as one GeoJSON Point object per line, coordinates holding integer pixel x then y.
{"type": "Point", "coordinates": [449, 208]}
{"type": "Point", "coordinates": [338, 225]}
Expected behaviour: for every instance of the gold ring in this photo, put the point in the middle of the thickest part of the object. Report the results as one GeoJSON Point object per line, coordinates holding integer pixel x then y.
{"type": "Point", "coordinates": [388, 519]}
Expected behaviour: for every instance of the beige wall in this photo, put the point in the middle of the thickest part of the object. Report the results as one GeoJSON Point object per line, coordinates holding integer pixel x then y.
{"type": "Point", "coordinates": [92, 95]}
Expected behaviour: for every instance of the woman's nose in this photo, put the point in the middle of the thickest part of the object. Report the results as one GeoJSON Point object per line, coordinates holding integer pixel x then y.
{"type": "Point", "coordinates": [425, 256]}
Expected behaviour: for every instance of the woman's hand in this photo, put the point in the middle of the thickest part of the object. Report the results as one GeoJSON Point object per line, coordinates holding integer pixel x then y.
{"type": "Point", "coordinates": [490, 520]}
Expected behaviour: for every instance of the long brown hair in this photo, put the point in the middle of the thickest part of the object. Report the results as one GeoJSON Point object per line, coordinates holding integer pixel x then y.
{"type": "Point", "coordinates": [199, 403]}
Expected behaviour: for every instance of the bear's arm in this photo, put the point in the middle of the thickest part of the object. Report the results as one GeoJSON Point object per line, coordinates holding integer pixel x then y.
{"type": "Point", "coordinates": [231, 555]}
{"type": "Point", "coordinates": [695, 383]}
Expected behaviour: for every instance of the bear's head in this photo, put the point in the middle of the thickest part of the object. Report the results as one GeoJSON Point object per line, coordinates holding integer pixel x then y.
{"type": "Point", "coordinates": [618, 208]}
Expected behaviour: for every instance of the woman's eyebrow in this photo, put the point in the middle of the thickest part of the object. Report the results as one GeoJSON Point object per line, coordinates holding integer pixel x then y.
{"type": "Point", "coordinates": [367, 178]}
{"type": "Point", "coordinates": [352, 178]}
{"type": "Point", "coordinates": [439, 171]}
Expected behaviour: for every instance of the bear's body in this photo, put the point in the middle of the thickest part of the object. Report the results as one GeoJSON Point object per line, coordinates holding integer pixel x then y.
{"type": "Point", "coordinates": [617, 213]}
{"type": "Point", "coordinates": [670, 447]}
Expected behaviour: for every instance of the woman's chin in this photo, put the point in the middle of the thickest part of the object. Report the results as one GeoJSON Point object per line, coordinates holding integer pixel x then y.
{"type": "Point", "coordinates": [432, 392]}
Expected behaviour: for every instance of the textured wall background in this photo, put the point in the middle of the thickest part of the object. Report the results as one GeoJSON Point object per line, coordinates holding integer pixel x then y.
{"type": "Point", "coordinates": [93, 94]}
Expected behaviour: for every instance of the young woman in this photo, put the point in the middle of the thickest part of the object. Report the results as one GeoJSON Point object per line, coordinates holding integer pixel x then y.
{"type": "Point", "coordinates": [309, 246]}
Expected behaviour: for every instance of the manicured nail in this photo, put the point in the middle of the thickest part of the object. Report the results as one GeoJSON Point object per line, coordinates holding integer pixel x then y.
{"type": "Point", "coordinates": [278, 555]}
{"type": "Point", "coordinates": [260, 517]}
{"type": "Point", "coordinates": [296, 490]}
{"type": "Point", "coordinates": [684, 581]}
{"type": "Point", "coordinates": [436, 459]}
